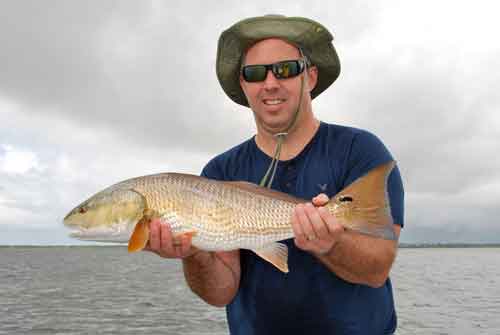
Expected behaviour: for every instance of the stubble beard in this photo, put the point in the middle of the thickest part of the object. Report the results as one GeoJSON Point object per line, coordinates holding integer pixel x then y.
{"type": "Point", "coordinates": [272, 124]}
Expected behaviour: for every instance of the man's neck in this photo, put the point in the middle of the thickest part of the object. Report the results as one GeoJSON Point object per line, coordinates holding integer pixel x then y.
{"type": "Point", "coordinates": [298, 137]}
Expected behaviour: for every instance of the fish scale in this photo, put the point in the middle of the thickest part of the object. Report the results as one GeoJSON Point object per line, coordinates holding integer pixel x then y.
{"type": "Point", "coordinates": [249, 220]}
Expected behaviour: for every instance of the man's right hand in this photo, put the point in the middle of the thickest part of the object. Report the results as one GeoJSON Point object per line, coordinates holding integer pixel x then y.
{"type": "Point", "coordinates": [214, 276]}
{"type": "Point", "coordinates": [163, 243]}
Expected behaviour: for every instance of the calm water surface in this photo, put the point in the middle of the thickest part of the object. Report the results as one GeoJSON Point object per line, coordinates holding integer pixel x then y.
{"type": "Point", "coordinates": [104, 290]}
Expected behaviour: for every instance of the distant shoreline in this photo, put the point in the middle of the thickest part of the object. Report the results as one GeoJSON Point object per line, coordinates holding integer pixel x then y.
{"type": "Point", "coordinates": [401, 245]}
{"type": "Point", "coordinates": [449, 245]}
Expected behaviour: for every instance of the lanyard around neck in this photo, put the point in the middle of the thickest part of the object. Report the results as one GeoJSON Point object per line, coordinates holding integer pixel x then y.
{"type": "Point", "coordinates": [271, 170]}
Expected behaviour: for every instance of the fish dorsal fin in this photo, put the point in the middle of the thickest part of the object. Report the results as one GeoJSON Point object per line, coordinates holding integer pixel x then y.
{"type": "Point", "coordinates": [370, 209]}
{"type": "Point", "coordinates": [276, 254]}
{"type": "Point", "coordinates": [264, 191]}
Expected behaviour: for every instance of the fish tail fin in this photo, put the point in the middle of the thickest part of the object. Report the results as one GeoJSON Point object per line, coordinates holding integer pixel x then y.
{"type": "Point", "coordinates": [364, 205]}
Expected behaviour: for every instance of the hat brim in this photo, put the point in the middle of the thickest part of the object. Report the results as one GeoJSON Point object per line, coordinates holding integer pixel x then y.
{"type": "Point", "coordinates": [314, 39]}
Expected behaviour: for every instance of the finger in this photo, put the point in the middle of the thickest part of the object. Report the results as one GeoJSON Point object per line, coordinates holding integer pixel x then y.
{"type": "Point", "coordinates": [333, 226]}
{"type": "Point", "coordinates": [300, 238]}
{"type": "Point", "coordinates": [166, 239]}
{"type": "Point", "coordinates": [320, 200]}
{"type": "Point", "coordinates": [185, 244]}
{"type": "Point", "coordinates": [154, 235]}
{"type": "Point", "coordinates": [178, 250]}
{"type": "Point", "coordinates": [180, 245]}
{"type": "Point", "coordinates": [305, 224]}
{"type": "Point", "coordinates": [317, 223]}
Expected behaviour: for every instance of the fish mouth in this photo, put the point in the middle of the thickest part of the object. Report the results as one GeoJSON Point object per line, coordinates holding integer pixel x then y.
{"type": "Point", "coordinates": [100, 234]}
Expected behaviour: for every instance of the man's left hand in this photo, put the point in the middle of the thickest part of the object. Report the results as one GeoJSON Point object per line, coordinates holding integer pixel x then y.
{"type": "Point", "coordinates": [315, 229]}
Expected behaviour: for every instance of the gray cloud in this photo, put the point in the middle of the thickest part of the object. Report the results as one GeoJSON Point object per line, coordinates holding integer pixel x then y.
{"type": "Point", "coordinates": [139, 68]}
{"type": "Point", "coordinates": [437, 129]}
{"type": "Point", "coordinates": [131, 68]}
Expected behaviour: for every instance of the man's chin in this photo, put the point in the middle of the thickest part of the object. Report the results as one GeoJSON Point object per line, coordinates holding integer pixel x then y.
{"type": "Point", "coordinates": [274, 121]}
{"type": "Point", "coordinates": [276, 127]}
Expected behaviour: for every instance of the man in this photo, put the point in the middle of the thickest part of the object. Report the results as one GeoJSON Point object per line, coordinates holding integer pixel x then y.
{"type": "Point", "coordinates": [338, 280]}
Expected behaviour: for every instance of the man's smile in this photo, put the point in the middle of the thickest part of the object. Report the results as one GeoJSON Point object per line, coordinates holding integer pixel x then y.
{"type": "Point", "coordinates": [272, 102]}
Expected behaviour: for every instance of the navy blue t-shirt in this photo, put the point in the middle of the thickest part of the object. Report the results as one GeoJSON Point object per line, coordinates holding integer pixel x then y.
{"type": "Point", "coordinates": [310, 299]}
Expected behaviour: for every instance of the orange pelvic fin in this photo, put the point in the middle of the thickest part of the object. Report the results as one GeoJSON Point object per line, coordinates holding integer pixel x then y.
{"type": "Point", "coordinates": [140, 236]}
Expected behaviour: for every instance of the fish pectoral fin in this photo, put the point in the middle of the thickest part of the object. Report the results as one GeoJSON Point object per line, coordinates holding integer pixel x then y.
{"type": "Point", "coordinates": [276, 254]}
{"type": "Point", "coordinates": [140, 236]}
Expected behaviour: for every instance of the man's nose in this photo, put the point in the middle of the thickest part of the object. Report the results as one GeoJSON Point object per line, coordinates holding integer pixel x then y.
{"type": "Point", "coordinates": [271, 82]}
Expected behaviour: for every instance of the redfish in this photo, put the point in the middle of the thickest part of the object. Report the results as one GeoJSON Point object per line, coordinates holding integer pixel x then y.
{"type": "Point", "coordinates": [221, 215]}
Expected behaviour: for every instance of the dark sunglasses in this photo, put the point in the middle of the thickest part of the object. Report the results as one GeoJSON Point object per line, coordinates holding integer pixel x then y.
{"type": "Point", "coordinates": [281, 70]}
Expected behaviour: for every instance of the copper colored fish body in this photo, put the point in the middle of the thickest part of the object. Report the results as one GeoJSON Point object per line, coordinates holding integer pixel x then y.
{"type": "Point", "coordinates": [223, 215]}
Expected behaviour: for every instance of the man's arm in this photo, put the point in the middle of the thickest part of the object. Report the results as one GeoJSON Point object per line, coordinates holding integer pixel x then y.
{"type": "Point", "coordinates": [213, 276]}
{"type": "Point", "coordinates": [361, 259]}
{"type": "Point", "coordinates": [354, 257]}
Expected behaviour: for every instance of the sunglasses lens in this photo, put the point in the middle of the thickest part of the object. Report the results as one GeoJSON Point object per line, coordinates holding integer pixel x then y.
{"type": "Point", "coordinates": [287, 69]}
{"type": "Point", "coordinates": [281, 70]}
{"type": "Point", "coordinates": [253, 73]}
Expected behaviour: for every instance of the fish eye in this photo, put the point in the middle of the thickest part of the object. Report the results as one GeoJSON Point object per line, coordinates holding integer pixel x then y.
{"type": "Point", "coordinates": [82, 210]}
{"type": "Point", "coordinates": [345, 198]}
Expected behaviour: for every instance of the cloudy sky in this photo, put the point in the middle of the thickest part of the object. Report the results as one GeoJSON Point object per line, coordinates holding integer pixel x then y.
{"type": "Point", "coordinates": [93, 92]}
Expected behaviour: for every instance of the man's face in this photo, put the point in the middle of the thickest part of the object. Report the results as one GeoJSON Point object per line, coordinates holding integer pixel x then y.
{"type": "Point", "coordinates": [274, 101]}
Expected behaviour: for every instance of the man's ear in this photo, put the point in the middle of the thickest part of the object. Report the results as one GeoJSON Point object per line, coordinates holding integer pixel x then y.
{"type": "Point", "coordinates": [242, 82]}
{"type": "Point", "coordinates": [312, 77]}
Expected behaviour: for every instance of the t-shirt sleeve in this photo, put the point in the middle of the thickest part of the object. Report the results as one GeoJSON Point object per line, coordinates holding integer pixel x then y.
{"type": "Point", "coordinates": [212, 170]}
{"type": "Point", "coordinates": [367, 152]}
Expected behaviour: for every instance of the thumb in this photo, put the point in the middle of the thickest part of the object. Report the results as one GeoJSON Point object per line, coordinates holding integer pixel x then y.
{"type": "Point", "coordinates": [320, 200]}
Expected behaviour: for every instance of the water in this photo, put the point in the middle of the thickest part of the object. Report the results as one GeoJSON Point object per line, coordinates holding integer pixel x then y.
{"type": "Point", "coordinates": [96, 290]}
{"type": "Point", "coordinates": [448, 291]}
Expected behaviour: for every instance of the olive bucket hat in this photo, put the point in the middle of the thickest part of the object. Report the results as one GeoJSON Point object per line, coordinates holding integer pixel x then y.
{"type": "Point", "coordinates": [314, 40]}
